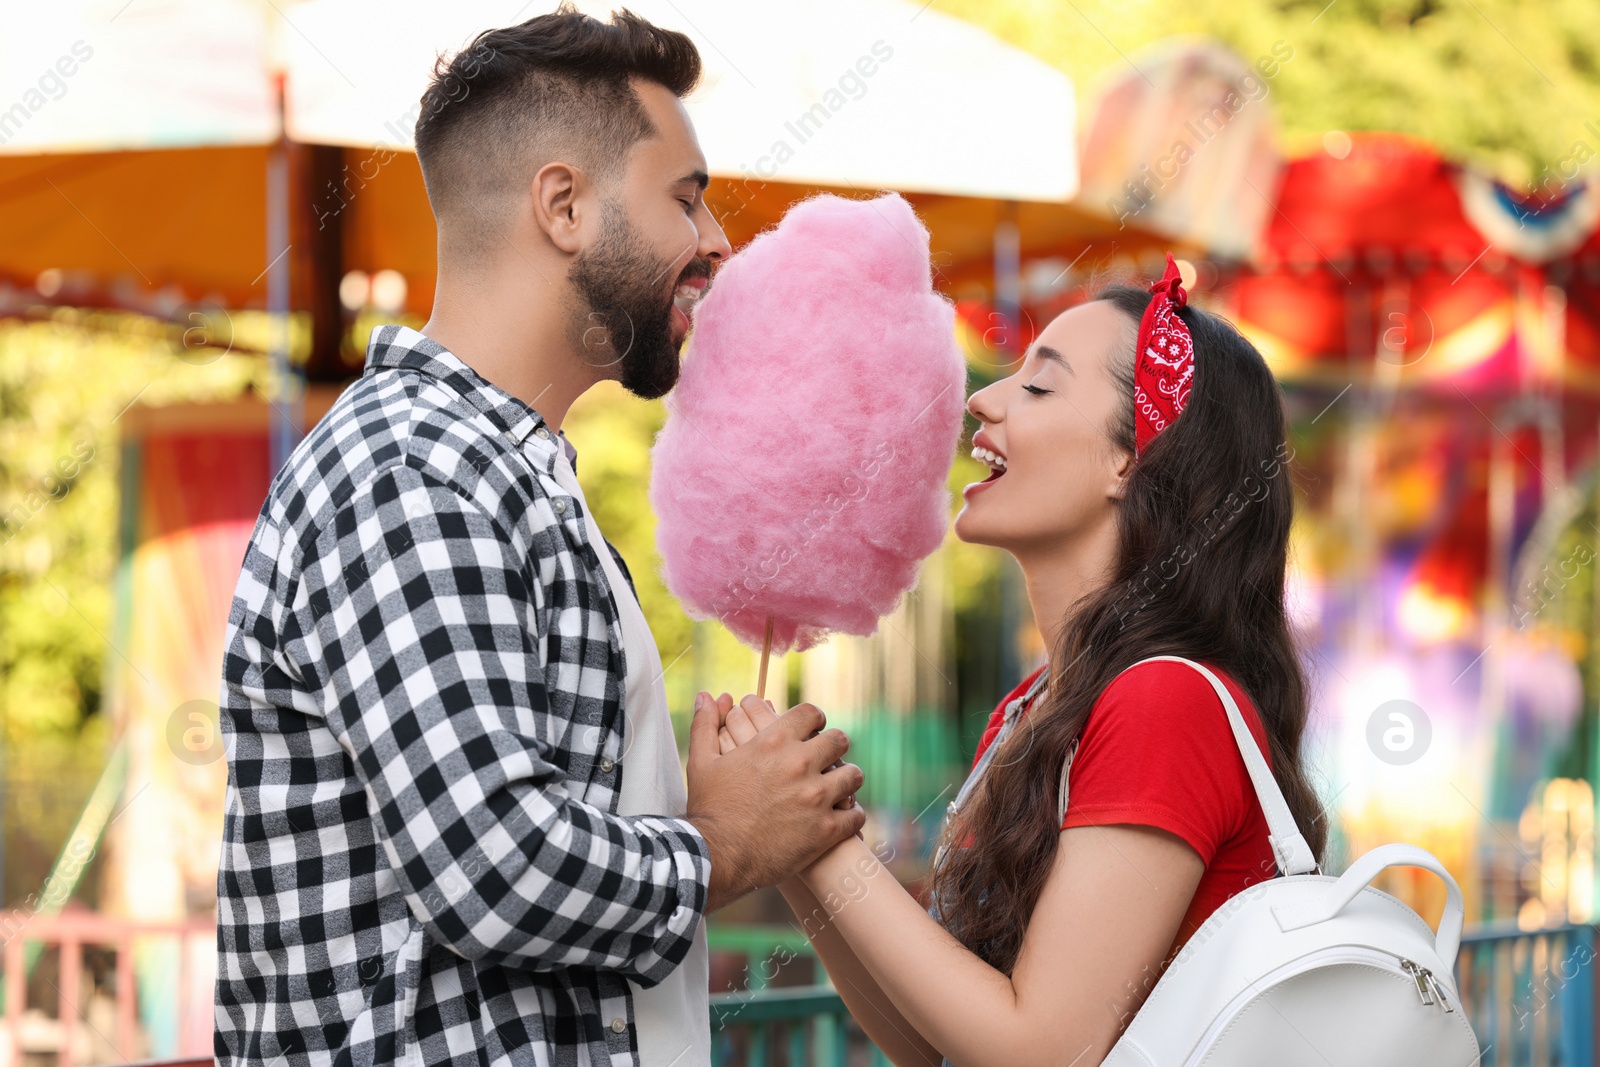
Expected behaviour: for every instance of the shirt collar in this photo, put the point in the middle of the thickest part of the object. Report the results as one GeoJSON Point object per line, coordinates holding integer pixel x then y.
{"type": "Point", "coordinates": [401, 346]}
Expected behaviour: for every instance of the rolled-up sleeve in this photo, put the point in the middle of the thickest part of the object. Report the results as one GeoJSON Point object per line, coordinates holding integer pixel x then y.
{"type": "Point", "coordinates": [419, 626]}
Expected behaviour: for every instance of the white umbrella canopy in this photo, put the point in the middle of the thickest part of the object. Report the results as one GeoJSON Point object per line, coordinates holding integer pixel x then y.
{"type": "Point", "coordinates": [853, 93]}
{"type": "Point", "coordinates": [99, 75]}
{"type": "Point", "coordinates": [172, 106]}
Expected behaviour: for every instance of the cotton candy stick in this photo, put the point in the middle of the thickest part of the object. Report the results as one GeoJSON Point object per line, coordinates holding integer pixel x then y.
{"type": "Point", "coordinates": [766, 653]}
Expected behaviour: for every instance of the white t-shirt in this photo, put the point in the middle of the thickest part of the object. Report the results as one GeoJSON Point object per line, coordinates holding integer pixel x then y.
{"type": "Point", "coordinates": [674, 1017]}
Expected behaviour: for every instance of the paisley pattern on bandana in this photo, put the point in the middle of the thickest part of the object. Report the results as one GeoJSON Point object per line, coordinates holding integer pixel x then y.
{"type": "Point", "coordinates": [1164, 368]}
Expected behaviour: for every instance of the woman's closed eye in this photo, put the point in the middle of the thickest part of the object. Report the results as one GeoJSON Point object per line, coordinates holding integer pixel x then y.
{"type": "Point", "coordinates": [1036, 391]}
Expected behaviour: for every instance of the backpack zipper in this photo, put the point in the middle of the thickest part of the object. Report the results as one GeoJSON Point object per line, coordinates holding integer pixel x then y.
{"type": "Point", "coordinates": [1429, 988]}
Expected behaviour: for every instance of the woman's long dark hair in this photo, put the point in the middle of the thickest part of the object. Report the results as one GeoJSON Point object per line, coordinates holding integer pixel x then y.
{"type": "Point", "coordinates": [1202, 550]}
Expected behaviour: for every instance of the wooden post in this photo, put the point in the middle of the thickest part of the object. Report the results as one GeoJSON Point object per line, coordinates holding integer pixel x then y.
{"type": "Point", "coordinates": [185, 995]}
{"type": "Point", "coordinates": [16, 993]}
{"type": "Point", "coordinates": [71, 978]}
{"type": "Point", "coordinates": [127, 997]}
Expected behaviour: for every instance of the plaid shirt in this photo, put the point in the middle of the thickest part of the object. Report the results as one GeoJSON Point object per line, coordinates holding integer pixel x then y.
{"type": "Point", "coordinates": [422, 707]}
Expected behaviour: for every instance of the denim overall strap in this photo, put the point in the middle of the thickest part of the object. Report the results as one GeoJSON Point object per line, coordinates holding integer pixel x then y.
{"type": "Point", "coordinates": [1012, 715]}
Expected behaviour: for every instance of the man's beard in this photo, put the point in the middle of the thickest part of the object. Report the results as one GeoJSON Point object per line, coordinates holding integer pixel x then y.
{"type": "Point", "coordinates": [625, 311]}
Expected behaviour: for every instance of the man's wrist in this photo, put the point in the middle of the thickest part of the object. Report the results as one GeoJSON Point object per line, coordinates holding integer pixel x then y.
{"type": "Point", "coordinates": [719, 891]}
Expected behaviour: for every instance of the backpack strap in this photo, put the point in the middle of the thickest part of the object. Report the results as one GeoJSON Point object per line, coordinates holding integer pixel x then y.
{"type": "Point", "coordinates": [1289, 846]}
{"type": "Point", "coordinates": [1326, 905]}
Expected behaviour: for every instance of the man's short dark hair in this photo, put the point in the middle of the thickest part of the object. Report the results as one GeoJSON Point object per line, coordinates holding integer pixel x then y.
{"type": "Point", "coordinates": [554, 87]}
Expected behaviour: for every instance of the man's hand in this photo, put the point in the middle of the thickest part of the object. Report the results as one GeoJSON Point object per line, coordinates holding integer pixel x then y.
{"type": "Point", "coordinates": [767, 809]}
{"type": "Point", "coordinates": [741, 724]}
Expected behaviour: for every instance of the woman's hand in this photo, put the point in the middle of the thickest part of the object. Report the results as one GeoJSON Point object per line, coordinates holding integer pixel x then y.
{"type": "Point", "coordinates": [724, 703]}
{"type": "Point", "coordinates": [743, 721]}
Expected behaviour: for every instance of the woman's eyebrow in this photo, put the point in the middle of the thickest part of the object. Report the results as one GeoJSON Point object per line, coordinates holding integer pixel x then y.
{"type": "Point", "coordinates": [1046, 352]}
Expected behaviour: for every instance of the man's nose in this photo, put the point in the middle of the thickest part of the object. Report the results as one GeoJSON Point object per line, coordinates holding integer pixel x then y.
{"type": "Point", "coordinates": [713, 242]}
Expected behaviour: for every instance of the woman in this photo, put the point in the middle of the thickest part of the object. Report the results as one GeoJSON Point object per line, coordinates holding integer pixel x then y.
{"type": "Point", "coordinates": [1138, 478]}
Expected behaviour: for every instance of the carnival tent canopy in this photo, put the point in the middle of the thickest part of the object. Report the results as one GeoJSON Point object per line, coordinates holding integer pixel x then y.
{"type": "Point", "coordinates": [1373, 260]}
{"type": "Point", "coordinates": [169, 206]}
{"type": "Point", "coordinates": [133, 154]}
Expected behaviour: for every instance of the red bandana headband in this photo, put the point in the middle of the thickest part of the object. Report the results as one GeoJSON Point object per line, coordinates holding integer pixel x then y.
{"type": "Point", "coordinates": [1164, 365]}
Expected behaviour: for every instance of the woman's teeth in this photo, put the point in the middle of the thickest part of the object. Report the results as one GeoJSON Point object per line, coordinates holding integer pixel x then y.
{"type": "Point", "coordinates": [992, 459]}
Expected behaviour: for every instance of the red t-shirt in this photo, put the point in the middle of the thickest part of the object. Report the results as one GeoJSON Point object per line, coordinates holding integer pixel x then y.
{"type": "Point", "coordinates": [1157, 750]}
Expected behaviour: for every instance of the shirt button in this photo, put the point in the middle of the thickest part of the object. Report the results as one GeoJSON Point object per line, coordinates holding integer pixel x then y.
{"type": "Point", "coordinates": [544, 432]}
{"type": "Point", "coordinates": [606, 764]}
{"type": "Point", "coordinates": [561, 507]}
{"type": "Point", "coordinates": [618, 1025]}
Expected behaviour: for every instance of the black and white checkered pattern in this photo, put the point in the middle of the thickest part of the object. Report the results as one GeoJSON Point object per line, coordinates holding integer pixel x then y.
{"type": "Point", "coordinates": [422, 706]}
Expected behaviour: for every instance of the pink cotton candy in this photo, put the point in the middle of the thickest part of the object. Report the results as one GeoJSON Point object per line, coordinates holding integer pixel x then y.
{"type": "Point", "coordinates": [801, 471]}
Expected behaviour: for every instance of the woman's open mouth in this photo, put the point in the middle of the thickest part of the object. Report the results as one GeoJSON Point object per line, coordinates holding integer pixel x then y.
{"type": "Point", "coordinates": [993, 460]}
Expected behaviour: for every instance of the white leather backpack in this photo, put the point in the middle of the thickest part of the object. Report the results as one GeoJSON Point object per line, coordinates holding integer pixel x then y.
{"type": "Point", "coordinates": [1306, 970]}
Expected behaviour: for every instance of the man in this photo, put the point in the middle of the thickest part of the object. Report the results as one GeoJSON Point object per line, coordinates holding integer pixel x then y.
{"type": "Point", "coordinates": [456, 828]}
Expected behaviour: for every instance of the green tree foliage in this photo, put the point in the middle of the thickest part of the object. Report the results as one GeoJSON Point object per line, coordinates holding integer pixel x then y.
{"type": "Point", "coordinates": [64, 384]}
{"type": "Point", "coordinates": [1508, 84]}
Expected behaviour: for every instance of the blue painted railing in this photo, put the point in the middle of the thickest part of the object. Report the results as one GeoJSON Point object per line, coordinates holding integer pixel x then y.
{"type": "Point", "coordinates": [806, 1026]}
{"type": "Point", "coordinates": [1530, 996]}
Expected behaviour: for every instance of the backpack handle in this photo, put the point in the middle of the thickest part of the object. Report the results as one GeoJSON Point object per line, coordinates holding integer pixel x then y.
{"type": "Point", "coordinates": [1289, 846]}
{"type": "Point", "coordinates": [1360, 874]}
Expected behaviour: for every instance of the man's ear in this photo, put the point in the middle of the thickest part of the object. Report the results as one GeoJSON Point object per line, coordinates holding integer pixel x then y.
{"type": "Point", "coordinates": [562, 201]}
